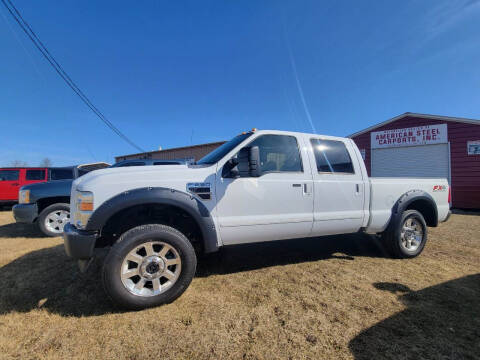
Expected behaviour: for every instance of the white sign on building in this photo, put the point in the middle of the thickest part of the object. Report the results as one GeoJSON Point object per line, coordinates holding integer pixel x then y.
{"type": "Point", "coordinates": [419, 135]}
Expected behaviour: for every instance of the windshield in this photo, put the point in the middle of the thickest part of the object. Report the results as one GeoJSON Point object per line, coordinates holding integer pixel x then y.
{"type": "Point", "coordinates": [222, 150]}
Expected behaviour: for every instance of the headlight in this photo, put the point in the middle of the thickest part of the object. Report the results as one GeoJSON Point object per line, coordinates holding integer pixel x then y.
{"type": "Point", "coordinates": [24, 196]}
{"type": "Point", "coordinates": [84, 208]}
{"type": "Point", "coordinates": [84, 201]}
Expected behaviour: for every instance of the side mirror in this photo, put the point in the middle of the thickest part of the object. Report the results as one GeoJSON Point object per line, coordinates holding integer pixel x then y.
{"type": "Point", "coordinates": [255, 168]}
{"type": "Point", "coordinates": [249, 162]}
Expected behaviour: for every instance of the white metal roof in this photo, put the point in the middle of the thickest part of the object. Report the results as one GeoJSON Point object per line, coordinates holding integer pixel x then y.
{"type": "Point", "coordinates": [423, 116]}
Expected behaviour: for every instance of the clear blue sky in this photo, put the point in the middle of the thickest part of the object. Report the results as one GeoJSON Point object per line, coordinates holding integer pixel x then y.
{"type": "Point", "coordinates": [172, 73]}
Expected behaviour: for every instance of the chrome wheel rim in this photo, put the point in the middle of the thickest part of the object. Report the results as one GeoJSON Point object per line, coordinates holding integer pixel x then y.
{"type": "Point", "coordinates": [412, 234]}
{"type": "Point", "coordinates": [151, 268]}
{"type": "Point", "coordinates": [56, 220]}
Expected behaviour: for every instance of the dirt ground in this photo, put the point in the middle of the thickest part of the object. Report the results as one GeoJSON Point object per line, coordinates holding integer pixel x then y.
{"type": "Point", "coordinates": [325, 298]}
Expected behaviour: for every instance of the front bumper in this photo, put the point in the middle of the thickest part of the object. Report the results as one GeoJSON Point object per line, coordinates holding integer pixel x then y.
{"type": "Point", "coordinates": [25, 213]}
{"type": "Point", "coordinates": [79, 244]}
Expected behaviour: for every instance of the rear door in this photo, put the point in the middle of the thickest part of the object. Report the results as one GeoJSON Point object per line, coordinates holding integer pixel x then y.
{"type": "Point", "coordinates": [339, 187]}
{"type": "Point", "coordinates": [9, 184]}
{"type": "Point", "coordinates": [33, 176]}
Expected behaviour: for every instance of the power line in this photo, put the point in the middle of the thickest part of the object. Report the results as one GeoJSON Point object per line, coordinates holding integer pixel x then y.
{"type": "Point", "coordinates": [61, 72]}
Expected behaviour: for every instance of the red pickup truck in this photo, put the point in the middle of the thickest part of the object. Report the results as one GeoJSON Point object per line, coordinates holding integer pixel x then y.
{"type": "Point", "coordinates": [12, 179]}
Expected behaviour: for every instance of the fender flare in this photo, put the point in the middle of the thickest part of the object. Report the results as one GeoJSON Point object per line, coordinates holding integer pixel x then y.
{"type": "Point", "coordinates": [158, 195]}
{"type": "Point", "coordinates": [405, 200]}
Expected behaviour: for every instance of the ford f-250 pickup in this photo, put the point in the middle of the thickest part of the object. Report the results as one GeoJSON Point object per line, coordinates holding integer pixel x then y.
{"type": "Point", "coordinates": [260, 186]}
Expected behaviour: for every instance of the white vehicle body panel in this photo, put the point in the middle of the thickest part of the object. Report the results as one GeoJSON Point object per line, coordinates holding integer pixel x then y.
{"type": "Point", "coordinates": [277, 205]}
{"type": "Point", "coordinates": [386, 191]}
{"type": "Point", "coordinates": [339, 198]}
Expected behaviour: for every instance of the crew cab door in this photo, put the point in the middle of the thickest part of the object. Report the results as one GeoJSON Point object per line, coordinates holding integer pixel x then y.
{"type": "Point", "coordinates": [278, 204]}
{"type": "Point", "coordinates": [339, 187]}
{"type": "Point", "coordinates": [9, 184]}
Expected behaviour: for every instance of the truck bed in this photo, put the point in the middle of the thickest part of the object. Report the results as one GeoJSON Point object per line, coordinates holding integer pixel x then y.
{"type": "Point", "coordinates": [384, 192]}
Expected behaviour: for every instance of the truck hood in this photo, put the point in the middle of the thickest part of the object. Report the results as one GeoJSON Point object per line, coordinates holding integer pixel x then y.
{"type": "Point", "coordinates": [106, 183]}
{"type": "Point", "coordinates": [48, 184]}
{"type": "Point", "coordinates": [56, 188]}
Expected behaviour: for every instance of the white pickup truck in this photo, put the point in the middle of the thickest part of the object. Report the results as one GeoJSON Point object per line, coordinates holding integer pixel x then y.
{"type": "Point", "coordinates": [259, 186]}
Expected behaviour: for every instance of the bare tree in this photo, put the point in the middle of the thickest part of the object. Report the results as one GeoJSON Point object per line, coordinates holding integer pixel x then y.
{"type": "Point", "coordinates": [46, 162]}
{"type": "Point", "coordinates": [18, 163]}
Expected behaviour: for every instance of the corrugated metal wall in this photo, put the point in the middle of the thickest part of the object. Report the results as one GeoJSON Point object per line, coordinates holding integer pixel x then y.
{"type": "Point", "coordinates": [195, 152]}
{"type": "Point", "coordinates": [465, 169]}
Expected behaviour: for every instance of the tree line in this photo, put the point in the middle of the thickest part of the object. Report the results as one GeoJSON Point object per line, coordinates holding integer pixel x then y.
{"type": "Point", "coordinates": [46, 162]}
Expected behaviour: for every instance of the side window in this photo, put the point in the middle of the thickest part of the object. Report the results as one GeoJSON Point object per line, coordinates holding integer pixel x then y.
{"type": "Point", "coordinates": [332, 156]}
{"type": "Point", "coordinates": [82, 172]}
{"type": "Point", "coordinates": [278, 153]}
{"type": "Point", "coordinates": [35, 175]}
{"type": "Point", "coordinates": [9, 175]}
{"type": "Point", "coordinates": [61, 174]}
{"type": "Point", "coordinates": [133, 163]}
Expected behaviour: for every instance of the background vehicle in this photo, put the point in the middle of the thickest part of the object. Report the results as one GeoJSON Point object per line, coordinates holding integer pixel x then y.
{"type": "Point", "coordinates": [12, 179]}
{"type": "Point", "coordinates": [48, 203]}
{"type": "Point", "coordinates": [260, 186]}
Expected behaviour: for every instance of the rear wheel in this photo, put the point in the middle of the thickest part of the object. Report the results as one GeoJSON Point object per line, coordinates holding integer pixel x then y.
{"type": "Point", "coordinates": [53, 218]}
{"type": "Point", "coordinates": [408, 237]}
{"type": "Point", "coordinates": [150, 265]}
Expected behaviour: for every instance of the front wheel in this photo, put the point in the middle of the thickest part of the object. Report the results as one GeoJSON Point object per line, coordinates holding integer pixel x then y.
{"type": "Point", "coordinates": [150, 265]}
{"type": "Point", "coordinates": [408, 238]}
{"type": "Point", "coordinates": [53, 218]}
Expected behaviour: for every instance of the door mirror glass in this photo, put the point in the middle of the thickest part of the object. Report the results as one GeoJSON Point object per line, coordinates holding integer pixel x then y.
{"type": "Point", "coordinates": [245, 164]}
{"type": "Point", "coordinates": [249, 162]}
{"type": "Point", "coordinates": [254, 162]}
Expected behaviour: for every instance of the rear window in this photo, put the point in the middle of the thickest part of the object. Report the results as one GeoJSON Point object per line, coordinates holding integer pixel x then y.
{"type": "Point", "coordinates": [133, 163]}
{"type": "Point", "coordinates": [61, 174]}
{"type": "Point", "coordinates": [82, 172]}
{"type": "Point", "coordinates": [332, 156]}
{"type": "Point", "coordinates": [166, 163]}
{"type": "Point", "coordinates": [9, 175]}
{"type": "Point", "coordinates": [35, 175]}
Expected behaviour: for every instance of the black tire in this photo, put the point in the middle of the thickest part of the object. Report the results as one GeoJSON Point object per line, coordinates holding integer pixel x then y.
{"type": "Point", "coordinates": [392, 237]}
{"type": "Point", "coordinates": [135, 237]}
{"type": "Point", "coordinates": [45, 212]}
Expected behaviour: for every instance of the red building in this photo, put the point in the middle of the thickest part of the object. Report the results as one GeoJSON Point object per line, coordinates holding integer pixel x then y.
{"type": "Point", "coordinates": [419, 145]}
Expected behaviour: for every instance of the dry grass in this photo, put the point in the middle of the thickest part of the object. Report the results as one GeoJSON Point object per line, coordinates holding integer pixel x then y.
{"type": "Point", "coordinates": [333, 298]}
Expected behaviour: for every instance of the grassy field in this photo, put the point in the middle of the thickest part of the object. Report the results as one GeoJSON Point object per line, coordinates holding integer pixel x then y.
{"type": "Point", "coordinates": [326, 298]}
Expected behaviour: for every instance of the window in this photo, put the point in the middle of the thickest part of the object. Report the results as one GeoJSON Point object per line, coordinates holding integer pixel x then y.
{"type": "Point", "coordinates": [222, 150]}
{"type": "Point", "coordinates": [134, 163]}
{"type": "Point", "coordinates": [332, 156]}
{"type": "Point", "coordinates": [126, 163]}
{"type": "Point", "coordinates": [82, 172]}
{"type": "Point", "coordinates": [278, 153]}
{"type": "Point", "coordinates": [61, 174]}
{"type": "Point", "coordinates": [167, 162]}
{"type": "Point", "coordinates": [9, 175]}
{"type": "Point", "coordinates": [35, 175]}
